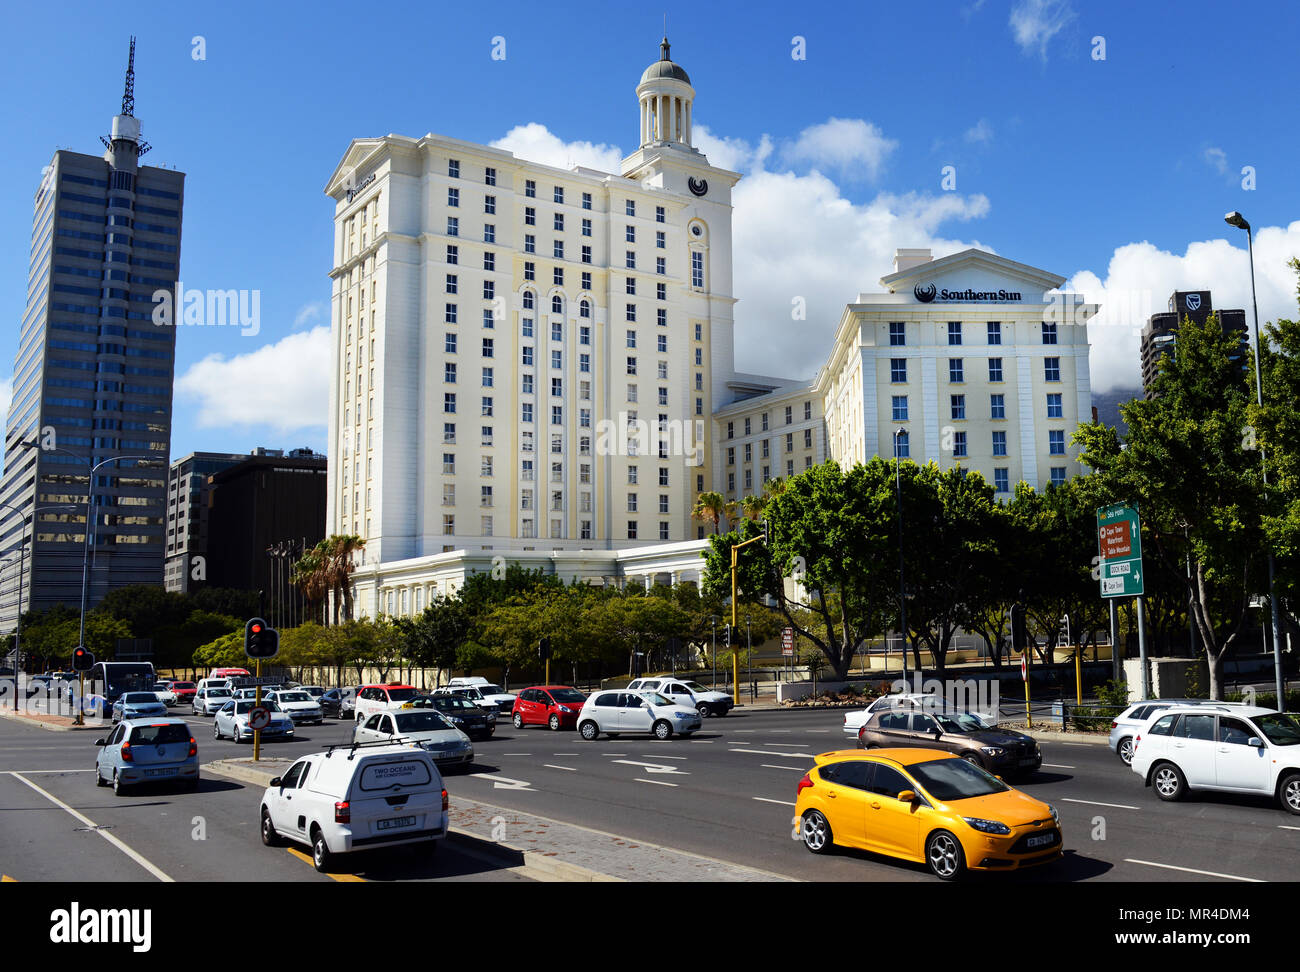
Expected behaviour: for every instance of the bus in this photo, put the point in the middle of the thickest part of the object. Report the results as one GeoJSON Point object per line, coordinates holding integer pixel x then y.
{"type": "Point", "coordinates": [113, 678]}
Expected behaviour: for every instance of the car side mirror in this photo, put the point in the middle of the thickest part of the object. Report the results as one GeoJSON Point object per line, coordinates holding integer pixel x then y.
{"type": "Point", "coordinates": [1256, 742]}
{"type": "Point", "coordinates": [908, 796]}
{"type": "Point", "coordinates": [275, 782]}
{"type": "Point", "coordinates": [101, 742]}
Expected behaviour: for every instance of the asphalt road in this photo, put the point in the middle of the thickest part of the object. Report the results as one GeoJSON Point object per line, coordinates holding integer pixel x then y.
{"type": "Point", "coordinates": [727, 793]}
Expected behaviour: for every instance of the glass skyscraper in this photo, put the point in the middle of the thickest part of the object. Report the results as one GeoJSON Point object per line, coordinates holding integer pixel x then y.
{"type": "Point", "coordinates": [93, 377]}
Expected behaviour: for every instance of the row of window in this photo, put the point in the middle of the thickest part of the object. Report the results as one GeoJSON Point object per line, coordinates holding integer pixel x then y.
{"type": "Point", "coordinates": [557, 192]}
{"type": "Point", "coordinates": [789, 411]}
{"type": "Point", "coordinates": [997, 406]}
{"type": "Point", "coordinates": [765, 448]}
{"type": "Point", "coordinates": [957, 370]}
{"type": "Point", "coordinates": [898, 332]}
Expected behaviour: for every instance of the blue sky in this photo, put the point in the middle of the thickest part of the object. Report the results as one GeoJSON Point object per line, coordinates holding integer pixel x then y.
{"type": "Point", "coordinates": [1114, 173]}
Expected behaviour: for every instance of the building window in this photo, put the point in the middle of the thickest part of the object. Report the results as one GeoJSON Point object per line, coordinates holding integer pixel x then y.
{"type": "Point", "coordinates": [526, 412]}
{"type": "Point", "coordinates": [453, 168]}
{"type": "Point", "coordinates": [453, 226]}
{"type": "Point", "coordinates": [490, 176]}
{"type": "Point", "coordinates": [1058, 475]}
{"type": "Point", "coordinates": [955, 372]}
{"type": "Point", "coordinates": [999, 443]}
{"type": "Point", "coordinates": [530, 216]}
{"type": "Point", "coordinates": [557, 249]}
{"type": "Point", "coordinates": [586, 229]}
{"type": "Point", "coordinates": [1001, 482]}
{"type": "Point", "coordinates": [1054, 408]}
{"type": "Point", "coordinates": [629, 234]}
{"type": "Point", "coordinates": [697, 270]}
{"type": "Point", "coordinates": [660, 215]}
{"type": "Point", "coordinates": [958, 407]}
{"type": "Point", "coordinates": [453, 197]}
{"type": "Point", "coordinates": [586, 200]}
{"type": "Point", "coordinates": [1051, 369]}
{"type": "Point", "coordinates": [1049, 332]}
{"type": "Point", "coordinates": [449, 313]}
{"type": "Point", "coordinates": [995, 369]}
{"type": "Point", "coordinates": [900, 408]}
{"type": "Point", "coordinates": [954, 332]}
{"type": "Point", "coordinates": [898, 370]}
{"type": "Point", "coordinates": [1056, 442]}
{"type": "Point", "coordinates": [530, 188]}
{"type": "Point", "coordinates": [897, 333]}
{"type": "Point", "coordinates": [731, 455]}
{"type": "Point", "coordinates": [559, 194]}
{"type": "Point", "coordinates": [995, 332]}
{"type": "Point", "coordinates": [448, 524]}
{"type": "Point", "coordinates": [530, 273]}
{"type": "Point", "coordinates": [449, 402]}
{"type": "Point", "coordinates": [488, 347]}
{"type": "Point", "coordinates": [490, 205]}
{"type": "Point", "coordinates": [451, 283]}
{"type": "Point", "coordinates": [449, 463]}
{"type": "Point", "coordinates": [959, 445]}
{"type": "Point", "coordinates": [449, 373]}
{"type": "Point", "coordinates": [453, 253]}
{"type": "Point", "coordinates": [557, 278]}
{"type": "Point", "coordinates": [998, 406]}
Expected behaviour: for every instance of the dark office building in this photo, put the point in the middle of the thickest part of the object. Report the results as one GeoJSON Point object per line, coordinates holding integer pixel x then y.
{"type": "Point", "coordinates": [262, 513]}
{"type": "Point", "coordinates": [93, 376]}
{"type": "Point", "coordinates": [187, 517]}
{"type": "Point", "coordinates": [1162, 329]}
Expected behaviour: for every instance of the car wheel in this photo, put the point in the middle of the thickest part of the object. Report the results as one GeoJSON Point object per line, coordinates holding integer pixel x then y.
{"type": "Point", "coordinates": [704, 710]}
{"type": "Point", "coordinates": [1125, 750]}
{"type": "Point", "coordinates": [944, 855]}
{"type": "Point", "coordinates": [972, 759]}
{"type": "Point", "coordinates": [663, 730]}
{"type": "Point", "coordinates": [816, 832]}
{"type": "Point", "coordinates": [589, 730]}
{"type": "Point", "coordinates": [1290, 793]}
{"type": "Point", "coordinates": [119, 788]}
{"type": "Point", "coordinates": [518, 721]}
{"type": "Point", "coordinates": [99, 779]}
{"type": "Point", "coordinates": [236, 735]}
{"type": "Point", "coordinates": [553, 722]}
{"type": "Point", "coordinates": [269, 836]}
{"type": "Point", "coordinates": [1169, 782]}
{"type": "Point", "coordinates": [216, 732]}
{"type": "Point", "coordinates": [320, 852]}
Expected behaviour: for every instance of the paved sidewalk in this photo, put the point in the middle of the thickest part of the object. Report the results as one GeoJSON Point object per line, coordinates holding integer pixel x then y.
{"type": "Point", "coordinates": [557, 851]}
{"type": "Point", "coordinates": [55, 723]}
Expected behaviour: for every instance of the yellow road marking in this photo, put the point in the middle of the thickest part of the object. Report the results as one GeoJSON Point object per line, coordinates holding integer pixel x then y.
{"type": "Point", "coordinates": [337, 877]}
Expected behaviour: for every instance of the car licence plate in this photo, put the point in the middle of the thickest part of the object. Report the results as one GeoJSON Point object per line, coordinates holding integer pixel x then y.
{"type": "Point", "coordinates": [393, 823]}
{"type": "Point", "coordinates": [1042, 840]}
{"type": "Point", "coordinates": [161, 772]}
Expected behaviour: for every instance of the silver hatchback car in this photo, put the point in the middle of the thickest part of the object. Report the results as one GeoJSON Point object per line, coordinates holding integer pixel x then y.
{"type": "Point", "coordinates": [147, 751]}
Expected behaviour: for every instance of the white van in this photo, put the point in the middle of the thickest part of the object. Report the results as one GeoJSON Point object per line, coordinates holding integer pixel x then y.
{"type": "Point", "coordinates": [355, 797]}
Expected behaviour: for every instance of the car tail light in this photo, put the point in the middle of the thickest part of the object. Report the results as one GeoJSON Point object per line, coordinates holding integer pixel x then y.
{"type": "Point", "coordinates": [194, 747]}
{"type": "Point", "coordinates": [806, 781]}
{"type": "Point", "coordinates": [1135, 742]}
{"type": "Point", "coordinates": [126, 753]}
{"type": "Point", "coordinates": [861, 731]}
{"type": "Point", "coordinates": [445, 804]}
{"type": "Point", "coordinates": [342, 812]}
{"type": "Point", "coordinates": [1114, 725]}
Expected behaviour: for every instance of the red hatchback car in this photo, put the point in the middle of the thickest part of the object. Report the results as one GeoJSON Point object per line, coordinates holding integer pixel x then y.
{"type": "Point", "coordinates": [184, 692]}
{"type": "Point", "coordinates": [556, 706]}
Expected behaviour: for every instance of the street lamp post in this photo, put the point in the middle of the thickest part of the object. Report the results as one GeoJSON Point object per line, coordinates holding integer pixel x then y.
{"type": "Point", "coordinates": [1236, 219]}
{"type": "Point", "coordinates": [902, 596]}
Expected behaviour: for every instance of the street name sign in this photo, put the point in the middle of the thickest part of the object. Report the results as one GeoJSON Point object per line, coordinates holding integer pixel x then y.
{"type": "Point", "coordinates": [1119, 543]}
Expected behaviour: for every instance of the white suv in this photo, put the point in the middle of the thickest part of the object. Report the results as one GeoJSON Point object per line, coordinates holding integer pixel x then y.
{"type": "Point", "coordinates": [1125, 726]}
{"type": "Point", "coordinates": [1243, 750]}
{"type": "Point", "coordinates": [356, 797]}
{"type": "Point", "coordinates": [684, 692]}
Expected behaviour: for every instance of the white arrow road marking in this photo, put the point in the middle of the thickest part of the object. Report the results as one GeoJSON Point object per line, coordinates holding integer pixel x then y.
{"type": "Point", "coordinates": [769, 752]}
{"type": "Point", "coordinates": [653, 767]}
{"type": "Point", "coordinates": [503, 782]}
{"type": "Point", "coordinates": [659, 782]}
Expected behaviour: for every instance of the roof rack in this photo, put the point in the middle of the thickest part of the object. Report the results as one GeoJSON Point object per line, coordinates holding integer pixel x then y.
{"type": "Point", "coordinates": [352, 747]}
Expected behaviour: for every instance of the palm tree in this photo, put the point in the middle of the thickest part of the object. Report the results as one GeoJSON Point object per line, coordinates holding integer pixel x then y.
{"type": "Point", "coordinates": [710, 505]}
{"type": "Point", "coordinates": [337, 555]}
{"type": "Point", "coordinates": [752, 507]}
{"type": "Point", "coordinates": [308, 575]}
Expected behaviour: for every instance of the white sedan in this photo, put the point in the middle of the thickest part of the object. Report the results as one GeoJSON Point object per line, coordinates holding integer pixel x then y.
{"type": "Point", "coordinates": [298, 706]}
{"type": "Point", "coordinates": [617, 712]}
{"type": "Point", "coordinates": [427, 728]}
{"type": "Point", "coordinates": [165, 694]}
{"type": "Point", "coordinates": [232, 721]}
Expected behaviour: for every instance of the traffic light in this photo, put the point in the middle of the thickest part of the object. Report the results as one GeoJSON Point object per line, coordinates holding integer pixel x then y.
{"type": "Point", "coordinates": [82, 659]}
{"type": "Point", "coordinates": [544, 649]}
{"type": "Point", "coordinates": [260, 641]}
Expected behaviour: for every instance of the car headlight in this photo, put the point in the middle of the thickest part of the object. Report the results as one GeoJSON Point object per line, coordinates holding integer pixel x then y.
{"type": "Point", "coordinates": [988, 826]}
{"type": "Point", "coordinates": [684, 715]}
{"type": "Point", "coordinates": [992, 751]}
{"type": "Point", "coordinates": [1056, 817]}
{"type": "Point", "coordinates": [566, 709]}
{"type": "Point", "coordinates": [456, 719]}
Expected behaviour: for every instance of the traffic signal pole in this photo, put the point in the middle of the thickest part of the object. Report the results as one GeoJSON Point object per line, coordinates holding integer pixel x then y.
{"type": "Point", "coordinates": [257, 703]}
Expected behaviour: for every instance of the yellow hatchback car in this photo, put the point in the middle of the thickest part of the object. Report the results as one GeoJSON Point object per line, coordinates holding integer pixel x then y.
{"type": "Point", "coordinates": [924, 805]}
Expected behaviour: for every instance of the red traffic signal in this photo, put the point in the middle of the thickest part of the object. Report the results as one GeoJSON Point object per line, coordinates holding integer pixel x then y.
{"type": "Point", "coordinates": [259, 640]}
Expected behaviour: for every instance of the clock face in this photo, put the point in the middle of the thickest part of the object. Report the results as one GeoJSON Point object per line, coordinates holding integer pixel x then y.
{"type": "Point", "coordinates": [696, 229]}
{"type": "Point", "coordinates": [698, 187]}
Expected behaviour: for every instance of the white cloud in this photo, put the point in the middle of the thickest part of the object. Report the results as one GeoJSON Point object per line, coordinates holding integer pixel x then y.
{"type": "Point", "coordinates": [1217, 159]}
{"type": "Point", "coordinates": [851, 146]}
{"type": "Point", "coordinates": [1035, 22]}
{"type": "Point", "coordinates": [536, 143]}
{"type": "Point", "coordinates": [981, 131]}
{"type": "Point", "coordinates": [735, 154]}
{"type": "Point", "coordinates": [283, 386]}
{"type": "Point", "coordinates": [308, 313]}
{"type": "Point", "coordinates": [1140, 277]}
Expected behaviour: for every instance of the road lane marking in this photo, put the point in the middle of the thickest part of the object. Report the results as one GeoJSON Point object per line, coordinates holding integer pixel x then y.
{"type": "Point", "coordinates": [654, 767]}
{"type": "Point", "coordinates": [1285, 827]}
{"type": "Point", "coordinates": [1057, 766]}
{"type": "Point", "coordinates": [1094, 803]}
{"type": "Point", "coordinates": [660, 782]}
{"type": "Point", "coordinates": [816, 730]}
{"type": "Point", "coordinates": [120, 845]}
{"type": "Point", "coordinates": [337, 877]}
{"type": "Point", "coordinates": [16, 772]}
{"type": "Point", "coordinates": [785, 745]}
{"type": "Point", "coordinates": [797, 769]}
{"type": "Point", "coordinates": [516, 754]}
{"type": "Point", "coordinates": [1192, 870]}
{"type": "Point", "coordinates": [566, 754]}
{"type": "Point", "coordinates": [784, 803]}
{"type": "Point", "coordinates": [553, 766]}
{"type": "Point", "coordinates": [611, 754]}
{"type": "Point", "coordinates": [768, 752]}
{"type": "Point", "coordinates": [657, 756]}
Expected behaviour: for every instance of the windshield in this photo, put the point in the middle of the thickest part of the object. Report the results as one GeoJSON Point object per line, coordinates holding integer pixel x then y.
{"type": "Point", "coordinates": [1281, 730]}
{"type": "Point", "coordinates": [160, 687]}
{"type": "Point", "coordinates": [246, 705]}
{"type": "Point", "coordinates": [182, 685]}
{"type": "Point", "coordinates": [293, 697]}
{"type": "Point", "coordinates": [696, 687]}
{"type": "Point", "coordinates": [139, 697]}
{"type": "Point", "coordinates": [218, 693]}
{"type": "Point", "coordinates": [124, 678]}
{"type": "Point", "coordinates": [568, 695]}
{"type": "Point", "coordinates": [489, 689]}
{"type": "Point", "coordinates": [955, 779]}
{"type": "Point", "coordinates": [402, 694]}
{"type": "Point", "coordinates": [421, 722]}
{"type": "Point", "coordinates": [961, 722]}
{"type": "Point", "coordinates": [450, 702]}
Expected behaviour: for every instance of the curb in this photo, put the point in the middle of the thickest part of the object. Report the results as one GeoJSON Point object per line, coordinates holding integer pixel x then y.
{"type": "Point", "coordinates": [40, 724]}
{"type": "Point", "coordinates": [556, 869]}
{"type": "Point", "coordinates": [1071, 737]}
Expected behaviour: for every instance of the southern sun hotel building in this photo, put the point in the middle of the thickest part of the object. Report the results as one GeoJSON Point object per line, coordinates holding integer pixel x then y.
{"type": "Point", "coordinates": [534, 365]}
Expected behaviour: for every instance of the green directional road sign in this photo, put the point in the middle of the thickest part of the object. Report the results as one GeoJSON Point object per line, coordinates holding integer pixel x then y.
{"type": "Point", "coordinates": [1119, 542]}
